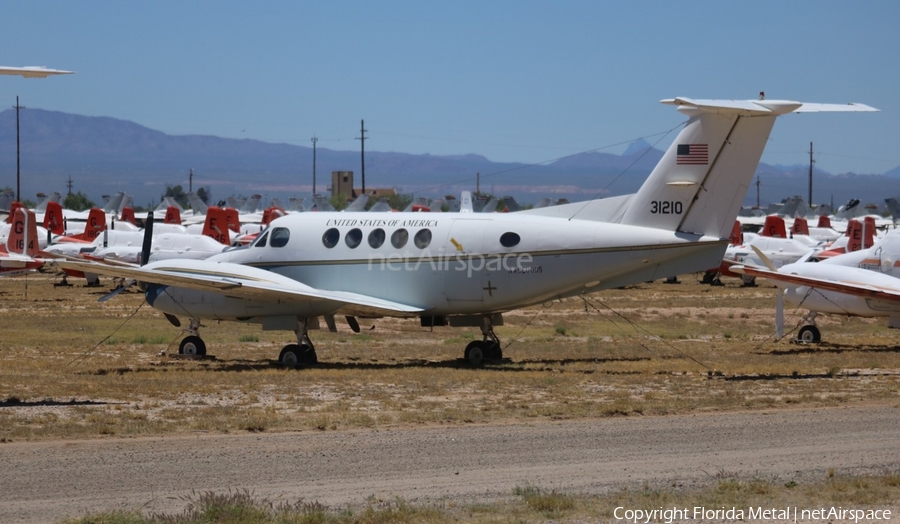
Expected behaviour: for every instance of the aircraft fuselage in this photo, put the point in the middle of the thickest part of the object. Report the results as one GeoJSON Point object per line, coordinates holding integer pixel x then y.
{"type": "Point", "coordinates": [449, 264]}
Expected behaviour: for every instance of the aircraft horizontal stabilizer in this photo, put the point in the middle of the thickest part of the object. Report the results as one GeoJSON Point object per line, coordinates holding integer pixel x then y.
{"type": "Point", "coordinates": [241, 281]}
{"type": "Point", "coordinates": [764, 107]}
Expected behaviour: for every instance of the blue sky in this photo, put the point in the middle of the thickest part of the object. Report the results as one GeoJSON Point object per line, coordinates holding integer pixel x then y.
{"type": "Point", "coordinates": [526, 81]}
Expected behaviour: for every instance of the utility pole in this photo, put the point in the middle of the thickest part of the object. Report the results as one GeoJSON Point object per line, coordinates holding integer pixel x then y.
{"type": "Point", "coordinates": [191, 181]}
{"type": "Point", "coordinates": [314, 140]}
{"type": "Point", "coordinates": [757, 191]}
{"type": "Point", "coordinates": [362, 150]}
{"type": "Point", "coordinates": [811, 162]}
{"type": "Point", "coordinates": [69, 185]}
{"type": "Point", "coordinates": [18, 161]}
{"type": "Point", "coordinates": [477, 183]}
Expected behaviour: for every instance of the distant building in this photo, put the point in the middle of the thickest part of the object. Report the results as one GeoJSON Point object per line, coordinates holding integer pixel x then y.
{"type": "Point", "coordinates": [342, 184]}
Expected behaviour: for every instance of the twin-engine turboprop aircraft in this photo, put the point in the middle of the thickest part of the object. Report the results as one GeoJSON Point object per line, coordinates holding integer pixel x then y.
{"type": "Point", "coordinates": [466, 269]}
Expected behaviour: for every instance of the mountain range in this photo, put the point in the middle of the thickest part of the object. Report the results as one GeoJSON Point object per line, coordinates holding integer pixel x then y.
{"type": "Point", "coordinates": [103, 155]}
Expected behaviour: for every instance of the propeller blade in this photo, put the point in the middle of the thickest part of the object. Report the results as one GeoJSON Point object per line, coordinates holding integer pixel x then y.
{"type": "Point", "coordinates": [148, 239]}
{"type": "Point", "coordinates": [779, 314]}
{"type": "Point", "coordinates": [115, 292]}
{"type": "Point", "coordinates": [765, 260]}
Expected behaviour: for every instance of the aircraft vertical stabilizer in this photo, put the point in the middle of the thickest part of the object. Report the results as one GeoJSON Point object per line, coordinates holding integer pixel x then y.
{"type": "Point", "coordinates": [700, 182]}
{"type": "Point", "coordinates": [216, 225]}
{"type": "Point", "coordinates": [23, 238]}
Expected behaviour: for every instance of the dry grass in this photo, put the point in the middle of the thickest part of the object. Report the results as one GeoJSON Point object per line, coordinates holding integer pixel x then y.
{"type": "Point", "coordinates": [73, 368]}
{"type": "Point", "coordinates": [533, 504]}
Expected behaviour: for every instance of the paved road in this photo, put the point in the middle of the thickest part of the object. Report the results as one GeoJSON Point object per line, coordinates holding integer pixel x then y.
{"type": "Point", "coordinates": [43, 481]}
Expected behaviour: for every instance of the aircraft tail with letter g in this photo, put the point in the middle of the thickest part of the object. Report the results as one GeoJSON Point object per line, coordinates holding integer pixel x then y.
{"type": "Point", "coordinates": [23, 239]}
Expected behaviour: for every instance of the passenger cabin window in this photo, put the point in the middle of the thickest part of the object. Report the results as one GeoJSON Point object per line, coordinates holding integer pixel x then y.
{"type": "Point", "coordinates": [331, 237]}
{"type": "Point", "coordinates": [399, 238]}
{"type": "Point", "coordinates": [280, 237]}
{"type": "Point", "coordinates": [261, 240]}
{"type": "Point", "coordinates": [509, 239]}
{"type": "Point", "coordinates": [353, 238]}
{"type": "Point", "coordinates": [423, 238]}
{"type": "Point", "coordinates": [376, 238]}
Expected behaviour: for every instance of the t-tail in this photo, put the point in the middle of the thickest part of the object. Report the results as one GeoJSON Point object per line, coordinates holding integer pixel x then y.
{"type": "Point", "coordinates": [53, 219]}
{"type": "Point", "coordinates": [173, 216]}
{"type": "Point", "coordinates": [96, 224]}
{"type": "Point", "coordinates": [23, 238]}
{"type": "Point", "coordinates": [702, 179]}
{"type": "Point", "coordinates": [216, 225]}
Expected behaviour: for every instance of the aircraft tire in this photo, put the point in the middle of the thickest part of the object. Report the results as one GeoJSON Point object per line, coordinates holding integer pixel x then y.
{"type": "Point", "coordinates": [494, 351]}
{"type": "Point", "coordinates": [809, 334]}
{"type": "Point", "coordinates": [294, 355]}
{"type": "Point", "coordinates": [192, 345]}
{"type": "Point", "coordinates": [475, 353]}
{"type": "Point", "coordinates": [309, 355]}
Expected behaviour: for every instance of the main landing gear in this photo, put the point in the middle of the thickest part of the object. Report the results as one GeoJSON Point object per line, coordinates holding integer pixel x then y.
{"type": "Point", "coordinates": [292, 355]}
{"type": "Point", "coordinates": [487, 348]}
{"type": "Point", "coordinates": [302, 353]}
{"type": "Point", "coordinates": [809, 332]}
{"type": "Point", "coordinates": [192, 344]}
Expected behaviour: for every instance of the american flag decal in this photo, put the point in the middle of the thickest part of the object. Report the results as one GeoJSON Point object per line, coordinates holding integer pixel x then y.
{"type": "Point", "coordinates": [692, 154]}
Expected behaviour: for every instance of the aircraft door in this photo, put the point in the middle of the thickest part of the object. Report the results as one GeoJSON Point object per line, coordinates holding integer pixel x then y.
{"type": "Point", "coordinates": [465, 271]}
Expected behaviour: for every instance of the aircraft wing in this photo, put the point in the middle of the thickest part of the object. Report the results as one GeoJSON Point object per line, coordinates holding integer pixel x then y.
{"type": "Point", "coordinates": [860, 289]}
{"type": "Point", "coordinates": [241, 281]}
{"type": "Point", "coordinates": [32, 71]}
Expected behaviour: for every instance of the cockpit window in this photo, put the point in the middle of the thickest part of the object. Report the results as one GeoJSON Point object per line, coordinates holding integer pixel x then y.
{"type": "Point", "coordinates": [261, 240]}
{"type": "Point", "coordinates": [376, 238]}
{"type": "Point", "coordinates": [280, 237]}
{"type": "Point", "coordinates": [331, 237]}
{"type": "Point", "coordinates": [353, 238]}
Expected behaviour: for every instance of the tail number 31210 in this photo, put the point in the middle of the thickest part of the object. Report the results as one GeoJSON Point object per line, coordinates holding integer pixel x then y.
{"type": "Point", "coordinates": [665, 207]}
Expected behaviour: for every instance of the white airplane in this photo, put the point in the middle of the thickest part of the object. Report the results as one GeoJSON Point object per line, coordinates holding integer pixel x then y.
{"type": "Point", "coordinates": [774, 242]}
{"type": "Point", "coordinates": [862, 283]}
{"type": "Point", "coordinates": [33, 71]}
{"type": "Point", "coordinates": [466, 269]}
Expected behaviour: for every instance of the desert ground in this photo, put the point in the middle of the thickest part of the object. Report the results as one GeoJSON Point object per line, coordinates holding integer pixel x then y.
{"type": "Point", "coordinates": [655, 384]}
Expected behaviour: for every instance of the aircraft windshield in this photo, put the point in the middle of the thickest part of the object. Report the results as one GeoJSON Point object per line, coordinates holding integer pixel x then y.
{"type": "Point", "coordinates": [261, 239]}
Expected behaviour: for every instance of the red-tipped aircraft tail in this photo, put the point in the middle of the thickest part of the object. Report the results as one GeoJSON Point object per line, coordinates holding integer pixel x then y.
{"type": "Point", "coordinates": [234, 222]}
{"type": "Point", "coordinates": [173, 216]}
{"type": "Point", "coordinates": [23, 238]}
{"type": "Point", "coordinates": [12, 211]}
{"type": "Point", "coordinates": [128, 215]}
{"type": "Point", "coordinates": [216, 225]}
{"type": "Point", "coordinates": [774, 227]}
{"type": "Point", "coordinates": [737, 236]}
{"type": "Point", "coordinates": [800, 227]}
{"type": "Point", "coordinates": [53, 219]}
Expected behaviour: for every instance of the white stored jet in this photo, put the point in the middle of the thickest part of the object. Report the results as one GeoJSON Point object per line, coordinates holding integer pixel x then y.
{"type": "Point", "coordinates": [466, 269]}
